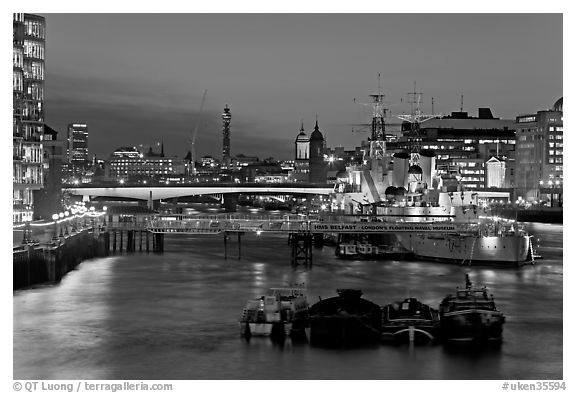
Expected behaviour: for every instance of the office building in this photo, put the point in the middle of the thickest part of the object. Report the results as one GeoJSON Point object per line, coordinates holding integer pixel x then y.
{"type": "Point", "coordinates": [463, 144]}
{"type": "Point", "coordinates": [540, 154]}
{"type": "Point", "coordinates": [128, 164]}
{"type": "Point", "coordinates": [77, 149]}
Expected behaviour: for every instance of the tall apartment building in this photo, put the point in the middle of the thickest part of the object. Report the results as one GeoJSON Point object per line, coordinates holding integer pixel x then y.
{"type": "Point", "coordinates": [29, 36]}
{"type": "Point", "coordinates": [540, 152]}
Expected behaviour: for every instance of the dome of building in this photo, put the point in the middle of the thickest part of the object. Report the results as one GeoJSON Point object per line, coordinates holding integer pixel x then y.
{"type": "Point", "coordinates": [316, 134]}
{"type": "Point", "coordinates": [415, 170]}
{"type": "Point", "coordinates": [302, 137]}
{"type": "Point", "coordinates": [558, 104]}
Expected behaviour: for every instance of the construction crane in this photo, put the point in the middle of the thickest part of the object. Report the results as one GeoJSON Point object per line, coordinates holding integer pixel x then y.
{"type": "Point", "coordinates": [193, 137]}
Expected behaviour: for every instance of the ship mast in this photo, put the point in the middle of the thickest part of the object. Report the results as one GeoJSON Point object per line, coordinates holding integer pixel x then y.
{"type": "Point", "coordinates": [415, 118]}
{"type": "Point", "coordinates": [377, 128]}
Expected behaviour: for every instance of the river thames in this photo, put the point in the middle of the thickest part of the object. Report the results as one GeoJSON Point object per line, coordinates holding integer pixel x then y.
{"type": "Point", "coordinates": [175, 316]}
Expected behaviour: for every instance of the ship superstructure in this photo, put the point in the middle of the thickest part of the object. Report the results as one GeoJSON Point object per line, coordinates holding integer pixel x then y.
{"type": "Point", "coordinates": [411, 191]}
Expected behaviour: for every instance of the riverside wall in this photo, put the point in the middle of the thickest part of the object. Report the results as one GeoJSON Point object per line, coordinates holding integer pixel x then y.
{"type": "Point", "coordinates": [37, 263]}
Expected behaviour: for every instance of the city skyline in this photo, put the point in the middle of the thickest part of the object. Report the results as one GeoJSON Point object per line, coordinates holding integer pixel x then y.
{"type": "Point", "coordinates": [138, 79]}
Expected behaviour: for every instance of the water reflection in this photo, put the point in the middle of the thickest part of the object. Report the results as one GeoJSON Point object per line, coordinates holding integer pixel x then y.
{"type": "Point", "coordinates": [175, 316]}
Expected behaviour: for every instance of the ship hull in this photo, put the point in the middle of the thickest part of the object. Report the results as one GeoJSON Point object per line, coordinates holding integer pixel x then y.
{"type": "Point", "coordinates": [407, 332]}
{"type": "Point", "coordinates": [472, 325]}
{"type": "Point", "coordinates": [502, 250]}
{"type": "Point", "coordinates": [343, 330]}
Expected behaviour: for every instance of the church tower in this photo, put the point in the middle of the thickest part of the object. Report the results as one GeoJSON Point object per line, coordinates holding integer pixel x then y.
{"type": "Point", "coordinates": [317, 164]}
{"type": "Point", "coordinates": [302, 157]}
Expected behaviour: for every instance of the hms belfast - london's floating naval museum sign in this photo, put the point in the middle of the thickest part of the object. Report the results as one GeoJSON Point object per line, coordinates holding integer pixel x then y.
{"type": "Point", "coordinates": [368, 227]}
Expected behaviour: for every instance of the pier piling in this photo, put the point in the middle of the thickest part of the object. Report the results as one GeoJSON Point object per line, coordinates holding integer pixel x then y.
{"type": "Point", "coordinates": [302, 248]}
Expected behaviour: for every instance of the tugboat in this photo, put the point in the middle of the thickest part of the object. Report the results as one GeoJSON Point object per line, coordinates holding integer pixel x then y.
{"type": "Point", "coordinates": [471, 315]}
{"type": "Point", "coordinates": [284, 311]}
{"type": "Point", "coordinates": [344, 320]}
{"type": "Point", "coordinates": [410, 321]}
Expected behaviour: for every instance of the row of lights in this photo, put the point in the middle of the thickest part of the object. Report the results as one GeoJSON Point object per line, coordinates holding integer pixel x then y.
{"type": "Point", "coordinates": [550, 182]}
{"type": "Point", "coordinates": [77, 209]}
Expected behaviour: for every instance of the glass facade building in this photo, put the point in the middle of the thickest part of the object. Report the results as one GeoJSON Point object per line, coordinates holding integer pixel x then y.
{"type": "Point", "coordinates": [29, 37]}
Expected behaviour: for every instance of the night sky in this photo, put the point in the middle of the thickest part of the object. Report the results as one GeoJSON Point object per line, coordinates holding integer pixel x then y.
{"type": "Point", "coordinates": [138, 78]}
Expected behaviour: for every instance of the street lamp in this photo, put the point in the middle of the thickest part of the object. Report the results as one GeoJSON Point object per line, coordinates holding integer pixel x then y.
{"type": "Point", "coordinates": [61, 216]}
{"type": "Point", "coordinates": [55, 217]}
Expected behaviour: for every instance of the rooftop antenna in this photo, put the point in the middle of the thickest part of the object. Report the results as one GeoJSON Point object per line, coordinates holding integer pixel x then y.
{"type": "Point", "coordinates": [432, 106]}
{"type": "Point", "coordinates": [461, 102]}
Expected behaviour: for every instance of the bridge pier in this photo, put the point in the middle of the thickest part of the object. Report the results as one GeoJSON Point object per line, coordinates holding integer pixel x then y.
{"type": "Point", "coordinates": [158, 243]}
{"type": "Point", "coordinates": [226, 238]}
{"type": "Point", "coordinates": [318, 240]}
{"type": "Point", "coordinates": [302, 248]}
{"type": "Point", "coordinates": [129, 241]}
{"type": "Point", "coordinates": [230, 202]}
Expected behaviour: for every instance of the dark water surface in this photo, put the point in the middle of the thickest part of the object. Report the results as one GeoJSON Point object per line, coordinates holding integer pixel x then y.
{"type": "Point", "coordinates": [174, 316]}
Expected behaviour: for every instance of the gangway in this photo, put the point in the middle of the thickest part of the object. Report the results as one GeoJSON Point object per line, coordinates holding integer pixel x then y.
{"type": "Point", "coordinates": [294, 224]}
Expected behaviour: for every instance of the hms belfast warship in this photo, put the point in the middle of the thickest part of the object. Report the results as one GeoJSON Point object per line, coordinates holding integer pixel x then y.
{"type": "Point", "coordinates": [411, 191]}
